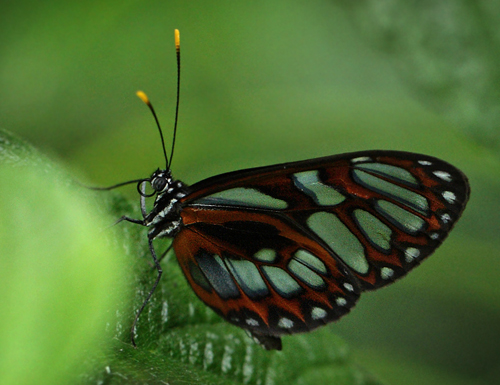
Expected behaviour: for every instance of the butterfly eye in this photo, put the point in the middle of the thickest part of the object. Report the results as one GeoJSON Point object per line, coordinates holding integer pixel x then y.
{"type": "Point", "coordinates": [159, 183]}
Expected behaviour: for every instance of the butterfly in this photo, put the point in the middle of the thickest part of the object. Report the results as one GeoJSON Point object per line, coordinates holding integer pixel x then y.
{"type": "Point", "coordinates": [288, 248]}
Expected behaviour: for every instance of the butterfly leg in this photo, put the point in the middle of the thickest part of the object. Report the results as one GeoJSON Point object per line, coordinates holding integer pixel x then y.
{"type": "Point", "coordinates": [163, 255]}
{"type": "Point", "coordinates": [157, 281]}
{"type": "Point", "coordinates": [165, 252]}
{"type": "Point", "coordinates": [128, 219]}
{"type": "Point", "coordinates": [143, 210]}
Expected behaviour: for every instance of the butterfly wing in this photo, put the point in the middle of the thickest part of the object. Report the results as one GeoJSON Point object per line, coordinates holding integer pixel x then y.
{"type": "Point", "coordinates": [261, 272]}
{"type": "Point", "coordinates": [287, 248]}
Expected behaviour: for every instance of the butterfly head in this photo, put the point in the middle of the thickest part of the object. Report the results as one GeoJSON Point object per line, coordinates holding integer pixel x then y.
{"type": "Point", "coordinates": [161, 180]}
{"type": "Point", "coordinates": [163, 185]}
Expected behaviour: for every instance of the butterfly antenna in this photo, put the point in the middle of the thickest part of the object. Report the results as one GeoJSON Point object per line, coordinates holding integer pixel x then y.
{"type": "Point", "coordinates": [115, 185]}
{"type": "Point", "coordinates": [146, 101]}
{"type": "Point", "coordinates": [178, 53]}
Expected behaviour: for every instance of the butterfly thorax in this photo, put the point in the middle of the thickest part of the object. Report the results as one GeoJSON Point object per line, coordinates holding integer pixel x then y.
{"type": "Point", "coordinates": [165, 217]}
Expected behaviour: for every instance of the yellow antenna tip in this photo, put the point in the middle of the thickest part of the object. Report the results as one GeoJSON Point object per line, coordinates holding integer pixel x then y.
{"type": "Point", "coordinates": [143, 97]}
{"type": "Point", "coordinates": [177, 39]}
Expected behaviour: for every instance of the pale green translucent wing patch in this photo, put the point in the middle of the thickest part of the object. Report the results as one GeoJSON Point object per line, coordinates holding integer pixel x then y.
{"type": "Point", "coordinates": [340, 239]}
{"type": "Point", "coordinates": [242, 196]}
{"type": "Point", "coordinates": [323, 195]}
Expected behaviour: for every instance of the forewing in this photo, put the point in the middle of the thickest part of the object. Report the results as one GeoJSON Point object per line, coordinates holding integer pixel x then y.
{"type": "Point", "coordinates": [378, 213]}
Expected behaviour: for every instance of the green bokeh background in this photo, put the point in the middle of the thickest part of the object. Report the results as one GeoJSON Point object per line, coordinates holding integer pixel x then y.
{"type": "Point", "coordinates": [274, 81]}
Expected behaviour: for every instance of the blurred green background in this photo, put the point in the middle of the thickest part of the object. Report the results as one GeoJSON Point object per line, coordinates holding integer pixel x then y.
{"type": "Point", "coordinates": [274, 81]}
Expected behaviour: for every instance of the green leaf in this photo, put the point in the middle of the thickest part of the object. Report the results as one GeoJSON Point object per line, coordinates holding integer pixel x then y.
{"type": "Point", "coordinates": [59, 274]}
